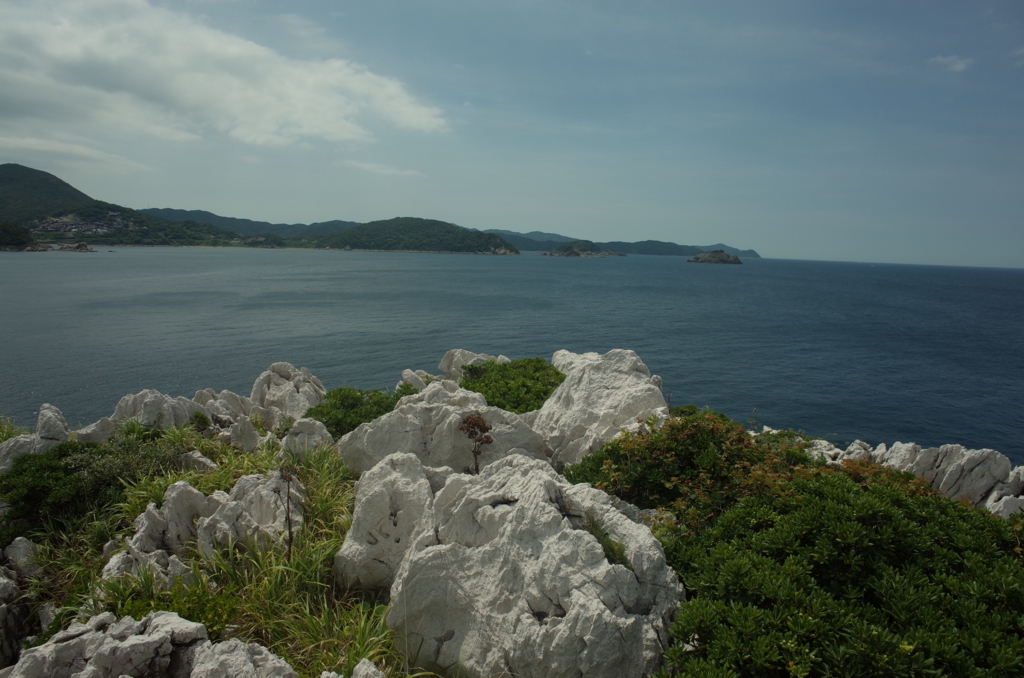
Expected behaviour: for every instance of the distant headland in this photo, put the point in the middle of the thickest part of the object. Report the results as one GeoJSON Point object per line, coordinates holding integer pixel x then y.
{"type": "Point", "coordinates": [40, 212]}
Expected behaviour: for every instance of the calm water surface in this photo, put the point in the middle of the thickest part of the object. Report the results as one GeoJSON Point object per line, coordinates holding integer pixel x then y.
{"type": "Point", "coordinates": [877, 352]}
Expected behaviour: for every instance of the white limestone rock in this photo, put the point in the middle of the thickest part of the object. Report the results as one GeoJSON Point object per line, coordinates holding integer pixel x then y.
{"type": "Point", "coordinates": [506, 581]}
{"type": "Point", "coordinates": [97, 432]}
{"type": "Point", "coordinates": [291, 390]}
{"type": "Point", "coordinates": [224, 404]}
{"type": "Point", "coordinates": [235, 659]}
{"type": "Point", "coordinates": [51, 430]}
{"type": "Point", "coordinates": [305, 436]}
{"type": "Point", "coordinates": [427, 424]}
{"type": "Point", "coordinates": [259, 512]}
{"type": "Point", "coordinates": [22, 555]}
{"type": "Point", "coordinates": [601, 395]}
{"type": "Point", "coordinates": [155, 409]}
{"type": "Point", "coordinates": [197, 461]}
{"type": "Point", "coordinates": [254, 514]}
{"type": "Point", "coordinates": [955, 471]}
{"type": "Point", "coordinates": [243, 435]}
{"type": "Point", "coordinates": [456, 360]}
{"type": "Point", "coordinates": [418, 379]}
{"type": "Point", "coordinates": [161, 645]}
{"type": "Point", "coordinates": [394, 501]}
{"type": "Point", "coordinates": [1006, 497]}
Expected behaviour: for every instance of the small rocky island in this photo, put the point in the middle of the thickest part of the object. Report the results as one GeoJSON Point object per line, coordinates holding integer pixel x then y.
{"type": "Point", "coordinates": [715, 257]}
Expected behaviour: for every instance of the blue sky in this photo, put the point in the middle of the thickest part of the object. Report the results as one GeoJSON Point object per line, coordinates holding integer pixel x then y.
{"type": "Point", "coordinates": [858, 131]}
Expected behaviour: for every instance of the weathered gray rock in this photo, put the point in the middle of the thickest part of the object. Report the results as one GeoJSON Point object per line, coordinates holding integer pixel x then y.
{"type": "Point", "coordinates": [427, 424]}
{"type": "Point", "coordinates": [243, 435]}
{"type": "Point", "coordinates": [418, 379]}
{"type": "Point", "coordinates": [155, 409]}
{"type": "Point", "coordinates": [394, 501]}
{"type": "Point", "coordinates": [51, 430]}
{"type": "Point", "coordinates": [255, 514]}
{"type": "Point", "coordinates": [601, 395]}
{"type": "Point", "coordinates": [97, 432]}
{"type": "Point", "coordinates": [224, 404]}
{"type": "Point", "coordinates": [236, 659]}
{"type": "Point", "coordinates": [291, 390]}
{"type": "Point", "coordinates": [502, 576]}
{"type": "Point", "coordinates": [982, 476]}
{"type": "Point", "coordinates": [455, 361]}
{"type": "Point", "coordinates": [197, 461]}
{"type": "Point", "coordinates": [305, 436]}
{"type": "Point", "coordinates": [22, 555]}
{"type": "Point", "coordinates": [161, 645]}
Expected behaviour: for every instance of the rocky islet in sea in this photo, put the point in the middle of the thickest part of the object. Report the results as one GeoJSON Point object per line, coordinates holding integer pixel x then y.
{"type": "Point", "coordinates": [499, 571]}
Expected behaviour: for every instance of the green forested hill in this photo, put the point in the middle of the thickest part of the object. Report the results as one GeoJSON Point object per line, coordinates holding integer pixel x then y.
{"type": "Point", "coordinates": [423, 235]}
{"type": "Point", "coordinates": [651, 247]}
{"type": "Point", "coordinates": [27, 194]}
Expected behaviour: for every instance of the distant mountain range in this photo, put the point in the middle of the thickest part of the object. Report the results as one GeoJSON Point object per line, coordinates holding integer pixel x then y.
{"type": "Point", "coordinates": [53, 210]}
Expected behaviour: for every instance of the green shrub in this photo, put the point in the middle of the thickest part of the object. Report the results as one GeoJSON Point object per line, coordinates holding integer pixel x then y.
{"type": "Point", "coordinates": [343, 409]}
{"type": "Point", "coordinates": [861, 574]}
{"type": "Point", "coordinates": [518, 386]}
{"type": "Point", "coordinates": [73, 478]}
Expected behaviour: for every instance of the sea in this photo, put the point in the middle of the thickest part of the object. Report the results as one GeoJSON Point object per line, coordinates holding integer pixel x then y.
{"type": "Point", "coordinates": [844, 351]}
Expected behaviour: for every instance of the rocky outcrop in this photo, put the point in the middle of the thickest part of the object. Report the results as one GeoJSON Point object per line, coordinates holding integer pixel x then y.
{"type": "Point", "coordinates": [51, 430]}
{"type": "Point", "coordinates": [291, 390]}
{"type": "Point", "coordinates": [418, 379]}
{"type": "Point", "coordinates": [502, 573]}
{"type": "Point", "coordinates": [456, 360]}
{"type": "Point", "coordinates": [983, 477]}
{"type": "Point", "coordinates": [161, 645]}
{"type": "Point", "coordinates": [427, 424]}
{"type": "Point", "coordinates": [157, 410]}
{"type": "Point", "coordinates": [305, 436]}
{"type": "Point", "coordinates": [601, 395]}
{"type": "Point", "coordinates": [364, 669]}
{"type": "Point", "coordinates": [256, 513]}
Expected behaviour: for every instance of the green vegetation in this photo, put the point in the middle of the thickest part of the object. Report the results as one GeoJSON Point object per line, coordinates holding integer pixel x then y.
{"type": "Point", "coordinates": [27, 194]}
{"type": "Point", "coordinates": [16, 237]}
{"type": "Point", "coordinates": [518, 386]}
{"type": "Point", "coordinates": [651, 247]}
{"type": "Point", "coordinates": [795, 569]}
{"type": "Point", "coordinates": [8, 430]}
{"type": "Point", "coordinates": [343, 409]}
{"type": "Point", "coordinates": [282, 598]}
{"type": "Point", "coordinates": [265, 240]}
{"type": "Point", "coordinates": [412, 234]}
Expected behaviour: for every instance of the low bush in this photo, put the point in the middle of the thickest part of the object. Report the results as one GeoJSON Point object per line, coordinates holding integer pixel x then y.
{"type": "Point", "coordinates": [343, 409]}
{"type": "Point", "coordinates": [860, 574]}
{"type": "Point", "coordinates": [8, 430]}
{"type": "Point", "coordinates": [518, 386]}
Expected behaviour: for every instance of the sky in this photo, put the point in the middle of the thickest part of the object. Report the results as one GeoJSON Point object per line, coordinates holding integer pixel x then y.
{"type": "Point", "coordinates": [866, 130]}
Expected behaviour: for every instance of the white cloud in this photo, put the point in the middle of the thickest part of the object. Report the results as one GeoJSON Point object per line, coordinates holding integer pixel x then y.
{"type": "Point", "coordinates": [69, 151]}
{"type": "Point", "coordinates": [377, 168]}
{"type": "Point", "coordinates": [953, 64]}
{"type": "Point", "coordinates": [136, 67]}
{"type": "Point", "coordinates": [1018, 57]}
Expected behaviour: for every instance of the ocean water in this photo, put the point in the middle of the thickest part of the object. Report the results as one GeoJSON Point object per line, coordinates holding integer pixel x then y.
{"type": "Point", "coordinates": [877, 352]}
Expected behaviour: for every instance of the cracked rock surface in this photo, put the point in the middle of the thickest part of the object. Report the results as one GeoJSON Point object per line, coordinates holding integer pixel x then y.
{"type": "Point", "coordinates": [427, 424]}
{"type": "Point", "coordinates": [254, 513]}
{"type": "Point", "coordinates": [501, 574]}
{"type": "Point", "coordinates": [161, 645]}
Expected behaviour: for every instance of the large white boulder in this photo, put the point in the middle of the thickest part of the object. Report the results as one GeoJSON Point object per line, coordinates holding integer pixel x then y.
{"type": "Point", "coordinates": [394, 501]}
{"type": "Point", "coordinates": [601, 395]}
{"type": "Point", "coordinates": [427, 424]}
{"type": "Point", "coordinates": [502, 577]}
{"type": "Point", "coordinates": [155, 409]}
{"type": "Point", "coordinates": [224, 404]}
{"type": "Point", "coordinates": [456, 360]}
{"type": "Point", "coordinates": [291, 390]}
{"type": "Point", "coordinates": [161, 644]}
{"type": "Point", "coordinates": [305, 436]}
{"type": "Point", "coordinates": [51, 430]}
